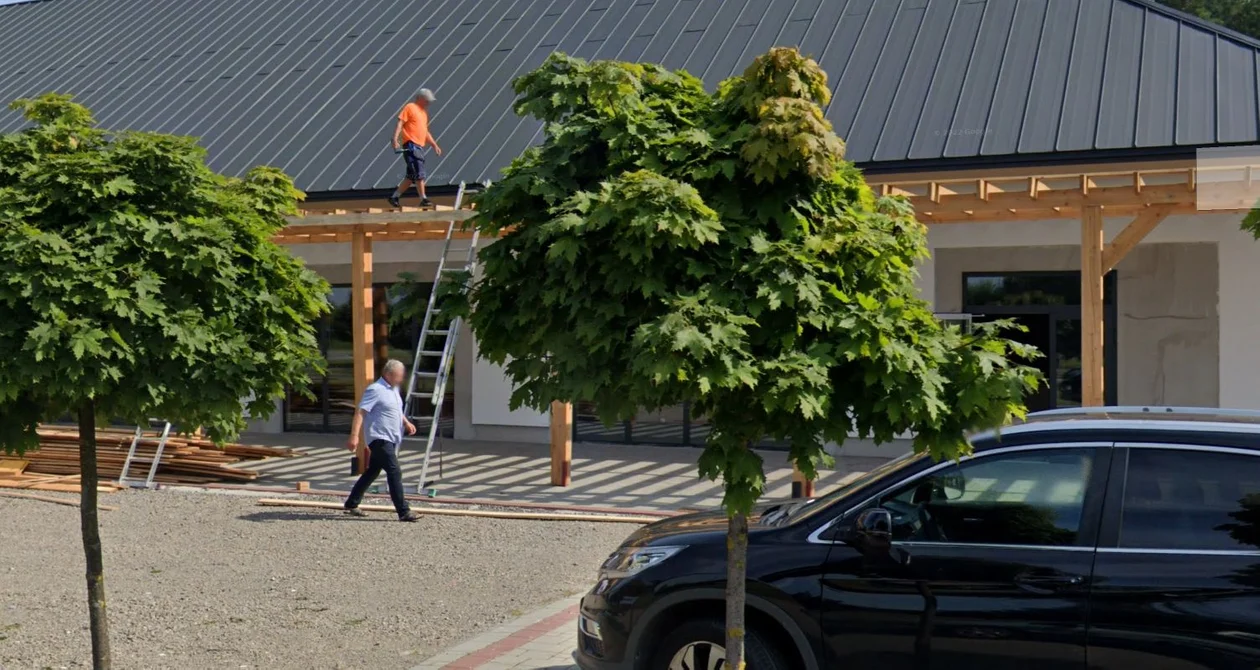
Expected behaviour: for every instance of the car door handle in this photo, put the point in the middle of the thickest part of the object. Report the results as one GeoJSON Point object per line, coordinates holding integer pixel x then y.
{"type": "Point", "coordinates": [1048, 583]}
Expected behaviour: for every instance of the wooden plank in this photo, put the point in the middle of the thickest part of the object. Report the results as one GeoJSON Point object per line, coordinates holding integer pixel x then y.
{"type": "Point", "coordinates": [561, 443]}
{"type": "Point", "coordinates": [49, 499]}
{"type": "Point", "coordinates": [13, 466]}
{"type": "Point", "coordinates": [485, 514]}
{"type": "Point", "coordinates": [361, 324]}
{"type": "Point", "coordinates": [1092, 307]}
{"type": "Point", "coordinates": [1131, 236]}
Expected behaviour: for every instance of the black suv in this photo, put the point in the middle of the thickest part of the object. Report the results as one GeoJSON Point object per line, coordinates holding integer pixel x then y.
{"type": "Point", "coordinates": [1103, 538]}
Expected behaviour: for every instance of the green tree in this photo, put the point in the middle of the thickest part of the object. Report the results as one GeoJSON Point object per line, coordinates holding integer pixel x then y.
{"type": "Point", "coordinates": [138, 283]}
{"type": "Point", "coordinates": [665, 244]}
{"type": "Point", "coordinates": [1240, 15]}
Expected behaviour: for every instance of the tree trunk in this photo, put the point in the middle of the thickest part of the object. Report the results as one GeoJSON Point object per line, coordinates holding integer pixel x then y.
{"type": "Point", "coordinates": [736, 589]}
{"type": "Point", "coordinates": [92, 537]}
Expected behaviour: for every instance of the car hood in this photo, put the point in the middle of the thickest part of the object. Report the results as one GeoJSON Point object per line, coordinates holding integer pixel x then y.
{"type": "Point", "coordinates": [701, 527]}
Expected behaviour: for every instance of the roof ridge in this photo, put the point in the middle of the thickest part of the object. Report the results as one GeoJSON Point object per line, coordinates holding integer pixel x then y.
{"type": "Point", "coordinates": [1197, 21]}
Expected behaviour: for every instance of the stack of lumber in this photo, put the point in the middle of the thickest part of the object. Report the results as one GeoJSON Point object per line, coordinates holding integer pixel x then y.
{"type": "Point", "coordinates": [185, 460]}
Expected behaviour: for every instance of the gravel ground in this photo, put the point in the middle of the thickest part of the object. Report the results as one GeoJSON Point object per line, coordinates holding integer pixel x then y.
{"type": "Point", "coordinates": [198, 580]}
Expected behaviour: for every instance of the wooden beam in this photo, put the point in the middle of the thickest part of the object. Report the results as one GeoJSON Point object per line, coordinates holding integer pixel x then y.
{"type": "Point", "coordinates": [359, 218]}
{"type": "Point", "coordinates": [561, 443]}
{"type": "Point", "coordinates": [1035, 213]}
{"type": "Point", "coordinates": [1165, 194]}
{"type": "Point", "coordinates": [361, 323]}
{"type": "Point", "coordinates": [1131, 236]}
{"type": "Point", "coordinates": [1092, 307]}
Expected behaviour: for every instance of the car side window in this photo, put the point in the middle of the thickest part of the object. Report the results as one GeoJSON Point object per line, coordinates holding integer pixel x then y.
{"type": "Point", "coordinates": [1034, 497]}
{"type": "Point", "coordinates": [1186, 499]}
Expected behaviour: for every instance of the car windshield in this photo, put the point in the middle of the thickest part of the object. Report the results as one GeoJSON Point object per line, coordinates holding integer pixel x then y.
{"type": "Point", "coordinates": [823, 502]}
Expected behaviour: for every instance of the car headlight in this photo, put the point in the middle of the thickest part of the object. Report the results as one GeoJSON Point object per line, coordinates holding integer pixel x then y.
{"type": "Point", "coordinates": [632, 560]}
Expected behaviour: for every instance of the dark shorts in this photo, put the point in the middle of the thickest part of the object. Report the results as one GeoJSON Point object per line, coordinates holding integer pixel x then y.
{"type": "Point", "coordinates": [414, 157]}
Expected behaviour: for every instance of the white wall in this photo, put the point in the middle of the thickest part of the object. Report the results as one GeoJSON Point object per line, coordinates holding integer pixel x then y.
{"type": "Point", "coordinates": [1238, 300]}
{"type": "Point", "coordinates": [1239, 307]}
{"type": "Point", "coordinates": [491, 394]}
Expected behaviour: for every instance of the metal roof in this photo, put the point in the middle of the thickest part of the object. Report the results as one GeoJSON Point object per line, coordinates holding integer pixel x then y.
{"type": "Point", "coordinates": [314, 86]}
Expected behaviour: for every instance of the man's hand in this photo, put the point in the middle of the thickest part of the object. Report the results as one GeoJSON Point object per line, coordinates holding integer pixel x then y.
{"type": "Point", "coordinates": [353, 443]}
{"type": "Point", "coordinates": [436, 149]}
{"type": "Point", "coordinates": [411, 429]}
{"type": "Point", "coordinates": [397, 146]}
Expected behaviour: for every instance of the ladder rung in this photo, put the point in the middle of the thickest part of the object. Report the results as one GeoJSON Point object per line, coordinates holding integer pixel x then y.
{"type": "Point", "coordinates": [427, 375]}
{"type": "Point", "coordinates": [421, 395]}
{"type": "Point", "coordinates": [437, 332]}
{"type": "Point", "coordinates": [431, 353]}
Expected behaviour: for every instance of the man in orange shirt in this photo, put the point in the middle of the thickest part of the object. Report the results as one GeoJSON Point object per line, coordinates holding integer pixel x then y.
{"type": "Point", "coordinates": [411, 135]}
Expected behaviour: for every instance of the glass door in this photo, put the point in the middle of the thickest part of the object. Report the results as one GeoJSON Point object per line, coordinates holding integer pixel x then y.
{"type": "Point", "coordinates": [1049, 305]}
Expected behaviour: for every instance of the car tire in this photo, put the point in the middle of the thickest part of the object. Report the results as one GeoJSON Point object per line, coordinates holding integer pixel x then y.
{"type": "Point", "coordinates": [759, 653]}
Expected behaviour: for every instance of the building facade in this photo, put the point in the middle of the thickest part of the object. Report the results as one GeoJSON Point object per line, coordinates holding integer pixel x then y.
{"type": "Point", "coordinates": [930, 91]}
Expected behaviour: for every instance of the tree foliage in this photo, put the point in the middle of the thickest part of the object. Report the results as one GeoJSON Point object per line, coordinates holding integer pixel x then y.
{"type": "Point", "coordinates": [1240, 15]}
{"type": "Point", "coordinates": [665, 244]}
{"type": "Point", "coordinates": [136, 277]}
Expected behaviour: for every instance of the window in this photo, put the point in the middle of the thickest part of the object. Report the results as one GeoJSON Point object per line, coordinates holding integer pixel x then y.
{"type": "Point", "coordinates": [1017, 498]}
{"type": "Point", "coordinates": [1184, 499]}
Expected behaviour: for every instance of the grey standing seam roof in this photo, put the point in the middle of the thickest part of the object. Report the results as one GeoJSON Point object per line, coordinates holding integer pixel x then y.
{"type": "Point", "coordinates": [314, 86]}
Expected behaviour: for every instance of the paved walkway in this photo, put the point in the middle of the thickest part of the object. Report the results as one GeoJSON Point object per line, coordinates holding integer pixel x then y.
{"type": "Point", "coordinates": [540, 640]}
{"type": "Point", "coordinates": [637, 477]}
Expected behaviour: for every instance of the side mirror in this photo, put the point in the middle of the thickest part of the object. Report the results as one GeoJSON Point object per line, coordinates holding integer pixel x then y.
{"type": "Point", "coordinates": [871, 533]}
{"type": "Point", "coordinates": [874, 523]}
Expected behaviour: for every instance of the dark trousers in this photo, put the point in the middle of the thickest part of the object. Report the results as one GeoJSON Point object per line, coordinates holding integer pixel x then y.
{"type": "Point", "coordinates": [383, 455]}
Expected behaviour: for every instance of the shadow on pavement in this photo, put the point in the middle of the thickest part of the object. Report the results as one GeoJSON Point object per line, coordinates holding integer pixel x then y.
{"type": "Point", "coordinates": [328, 515]}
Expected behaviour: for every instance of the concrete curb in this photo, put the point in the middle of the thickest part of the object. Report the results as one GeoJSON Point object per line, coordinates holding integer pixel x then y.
{"type": "Point", "coordinates": [494, 643]}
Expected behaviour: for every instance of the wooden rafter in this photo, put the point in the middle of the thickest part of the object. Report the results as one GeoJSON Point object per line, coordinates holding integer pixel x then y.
{"type": "Point", "coordinates": [1009, 197]}
{"type": "Point", "coordinates": [1131, 236]}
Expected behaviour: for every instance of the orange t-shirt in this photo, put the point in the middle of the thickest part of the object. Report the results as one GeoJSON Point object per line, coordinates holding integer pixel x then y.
{"type": "Point", "coordinates": [415, 124]}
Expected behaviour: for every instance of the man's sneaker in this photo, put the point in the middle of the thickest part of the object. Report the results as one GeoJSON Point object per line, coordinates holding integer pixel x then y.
{"type": "Point", "coordinates": [425, 202]}
{"type": "Point", "coordinates": [393, 200]}
{"type": "Point", "coordinates": [409, 517]}
{"type": "Point", "coordinates": [355, 511]}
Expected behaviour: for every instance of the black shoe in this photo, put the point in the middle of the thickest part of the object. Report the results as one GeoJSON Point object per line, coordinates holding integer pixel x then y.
{"type": "Point", "coordinates": [355, 511]}
{"type": "Point", "coordinates": [409, 517]}
{"type": "Point", "coordinates": [425, 202]}
{"type": "Point", "coordinates": [393, 200]}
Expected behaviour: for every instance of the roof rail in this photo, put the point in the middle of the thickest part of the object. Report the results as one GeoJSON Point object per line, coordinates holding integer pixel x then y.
{"type": "Point", "coordinates": [1139, 409]}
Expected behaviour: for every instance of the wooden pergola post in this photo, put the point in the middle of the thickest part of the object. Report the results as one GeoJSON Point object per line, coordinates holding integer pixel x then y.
{"type": "Point", "coordinates": [361, 319]}
{"type": "Point", "coordinates": [1092, 372]}
{"type": "Point", "coordinates": [801, 487]}
{"type": "Point", "coordinates": [561, 443]}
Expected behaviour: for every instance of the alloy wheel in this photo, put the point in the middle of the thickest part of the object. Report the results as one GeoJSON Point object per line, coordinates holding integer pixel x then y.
{"type": "Point", "coordinates": [699, 656]}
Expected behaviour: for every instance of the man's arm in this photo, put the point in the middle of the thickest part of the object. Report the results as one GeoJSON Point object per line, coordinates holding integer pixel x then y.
{"type": "Point", "coordinates": [398, 134]}
{"type": "Point", "coordinates": [356, 429]}
{"type": "Point", "coordinates": [433, 140]}
{"type": "Point", "coordinates": [356, 424]}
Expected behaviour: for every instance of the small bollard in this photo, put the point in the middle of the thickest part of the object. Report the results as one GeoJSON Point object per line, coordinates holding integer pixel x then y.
{"type": "Point", "coordinates": [432, 493]}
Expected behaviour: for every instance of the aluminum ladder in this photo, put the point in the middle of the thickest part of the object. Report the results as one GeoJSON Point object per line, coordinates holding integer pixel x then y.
{"type": "Point", "coordinates": [437, 343]}
{"type": "Point", "coordinates": [124, 478]}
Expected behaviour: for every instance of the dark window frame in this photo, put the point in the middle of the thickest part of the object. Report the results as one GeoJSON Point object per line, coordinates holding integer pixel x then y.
{"type": "Point", "coordinates": [1111, 300]}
